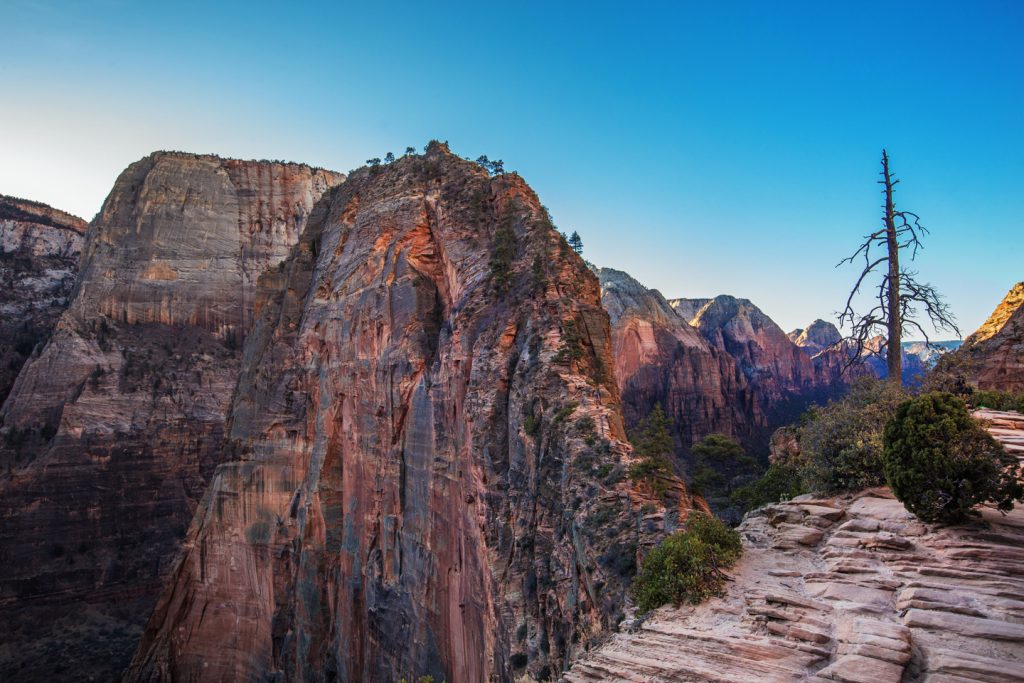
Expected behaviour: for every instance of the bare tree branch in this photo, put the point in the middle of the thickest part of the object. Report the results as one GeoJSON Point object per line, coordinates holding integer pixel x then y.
{"type": "Point", "coordinates": [899, 295]}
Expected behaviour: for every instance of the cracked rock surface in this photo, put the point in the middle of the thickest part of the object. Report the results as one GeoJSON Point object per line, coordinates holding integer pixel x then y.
{"type": "Point", "coordinates": [427, 467]}
{"type": "Point", "coordinates": [848, 589]}
{"type": "Point", "coordinates": [114, 426]}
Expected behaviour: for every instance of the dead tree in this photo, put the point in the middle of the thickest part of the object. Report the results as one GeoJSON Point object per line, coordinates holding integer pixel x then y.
{"type": "Point", "coordinates": [898, 294]}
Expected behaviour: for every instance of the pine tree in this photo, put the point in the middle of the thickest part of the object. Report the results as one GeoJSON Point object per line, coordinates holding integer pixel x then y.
{"type": "Point", "coordinates": [575, 242]}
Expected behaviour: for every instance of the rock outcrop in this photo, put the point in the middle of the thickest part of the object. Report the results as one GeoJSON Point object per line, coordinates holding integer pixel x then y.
{"type": "Point", "coordinates": [993, 357]}
{"type": "Point", "coordinates": [849, 589]}
{"type": "Point", "coordinates": [112, 430]}
{"type": "Point", "coordinates": [426, 453]}
{"type": "Point", "coordinates": [687, 309]}
{"type": "Point", "coordinates": [661, 359]}
{"type": "Point", "coordinates": [39, 248]}
{"type": "Point", "coordinates": [784, 377]}
{"type": "Point", "coordinates": [816, 337]}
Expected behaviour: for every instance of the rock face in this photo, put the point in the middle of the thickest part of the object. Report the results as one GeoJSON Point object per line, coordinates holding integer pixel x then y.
{"type": "Point", "coordinates": [661, 359]}
{"type": "Point", "coordinates": [717, 365]}
{"type": "Point", "coordinates": [848, 589]}
{"type": "Point", "coordinates": [687, 309]}
{"type": "Point", "coordinates": [427, 456]}
{"type": "Point", "coordinates": [39, 248]}
{"type": "Point", "coordinates": [994, 354]}
{"type": "Point", "coordinates": [112, 431]}
{"type": "Point", "coordinates": [816, 337]}
{"type": "Point", "coordinates": [784, 377]}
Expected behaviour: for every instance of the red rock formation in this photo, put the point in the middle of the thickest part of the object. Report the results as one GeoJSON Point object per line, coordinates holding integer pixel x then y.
{"type": "Point", "coordinates": [660, 358]}
{"type": "Point", "coordinates": [113, 430]}
{"type": "Point", "coordinates": [993, 357]}
{"type": "Point", "coordinates": [427, 452]}
{"type": "Point", "coordinates": [39, 248]}
{"type": "Point", "coordinates": [785, 379]}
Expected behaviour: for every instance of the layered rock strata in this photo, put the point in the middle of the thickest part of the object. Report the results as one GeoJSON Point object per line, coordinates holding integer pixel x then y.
{"type": "Point", "coordinates": [661, 359]}
{"type": "Point", "coordinates": [427, 455]}
{"type": "Point", "coordinates": [112, 431]}
{"type": "Point", "coordinates": [816, 337]}
{"type": "Point", "coordinates": [778, 368]}
{"type": "Point", "coordinates": [849, 589]}
{"type": "Point", "coordinates": [39, 248]}
{"type": "Point", "coordinates": [993, 357]}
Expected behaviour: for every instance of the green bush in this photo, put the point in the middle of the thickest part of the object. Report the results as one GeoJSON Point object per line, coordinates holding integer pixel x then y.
{"type": "Point", "coordinates": [687, 566]}
{"type": "Point", "coordinates": [779, 482]}
{"type": "Point", "coordinates": [841, 443]}
{"type": "Point", "coordinates": [997, 400]}
{"type": "Point", "coordinates": [940, 463]}
{"type": "Point", "coordinates": [531, 425]}
{"type": "Point", "coordinates": [652, 442]}
{"type": "Point", "coordinates": [720, 463]}
{"type": "Point", "coordinates": [504, 251]}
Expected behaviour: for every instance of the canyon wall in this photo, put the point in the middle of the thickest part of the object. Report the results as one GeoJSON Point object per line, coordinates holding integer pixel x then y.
{"type": "Point", "coordinates": [661, 359]}
{"type": "Point", "coordinates": [426, 453]}
{"type": "Point", "coordinates": [717, 365]}
{"type": "Point", "coordinates": [993, 357]}
{"type": "Point", "coordinates": [39, 248]}
{"type": "Point", "coordinates": [112, 431]}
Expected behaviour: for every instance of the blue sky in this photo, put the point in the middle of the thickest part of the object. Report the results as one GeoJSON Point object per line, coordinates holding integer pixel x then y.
{"type": "Point", "coordinates": [717, 147]}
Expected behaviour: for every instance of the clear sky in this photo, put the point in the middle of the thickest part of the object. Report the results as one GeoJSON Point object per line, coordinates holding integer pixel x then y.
{"type": "Point", "coordinates": [715, 147]}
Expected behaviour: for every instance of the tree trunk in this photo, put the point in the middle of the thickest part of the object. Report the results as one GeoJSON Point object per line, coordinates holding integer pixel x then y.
{"type": "Point", "coordinates": [894, 350]}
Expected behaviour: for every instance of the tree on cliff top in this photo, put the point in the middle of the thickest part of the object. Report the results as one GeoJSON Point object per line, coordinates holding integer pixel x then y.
{"type": "Point", "coordinates": [898, 294]}
{"type": "Point", "coordinates": [576, 242]}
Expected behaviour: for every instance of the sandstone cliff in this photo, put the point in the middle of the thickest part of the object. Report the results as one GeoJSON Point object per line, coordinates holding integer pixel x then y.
{"type": "Point", "coordinates": [427, 456]}
{"type": "Point", "coordinates": [661, 358]}
{"type": "Point", "coordinates": [993, 356]}
{"type": "Point", "coordinates": [112, 431]}
{"type": "Point", "coordinates": [39, 248]}
{"type": "Point", "coordinates": [687, 309]}
{"type": "Point", "coordinates": [816, 337]}
{"type": "Point", "coordinates": [784, 377]}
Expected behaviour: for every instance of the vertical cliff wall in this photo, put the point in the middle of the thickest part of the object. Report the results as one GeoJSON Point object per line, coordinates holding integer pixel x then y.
{"type": "Point", "coordinates": [112, 431]}
{"type": "Point", "coordinates": [427, 453]}
{"type": "Point", "coordinates": [39, 248]}
{"type": "Point", "coordinates": [661, 358]}
{"type": "Point", "coordinates": [785, 378]}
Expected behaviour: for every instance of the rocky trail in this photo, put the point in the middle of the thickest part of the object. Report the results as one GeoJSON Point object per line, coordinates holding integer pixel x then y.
{"type": "Point", "coordinates": [846, 589]}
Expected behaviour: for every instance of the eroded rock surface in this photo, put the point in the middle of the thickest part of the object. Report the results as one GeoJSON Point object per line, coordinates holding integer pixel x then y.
{"type": "Point", "coordinates": [112, 431]}
{"type": "Point", "coordinates": [428, 456]}
{"type": "Point", "coordinates": [783, 374]}
{"type": "Point", "coordinates": [39, 248]}
{"type": "Point", "coordinates": [816, 337]}
{"type": "Point", "coordinates": [994, 355]}
{"type": "Point", "coordinates": [661, 358]}
{"type": "Point", "coordinates": [843, 589]}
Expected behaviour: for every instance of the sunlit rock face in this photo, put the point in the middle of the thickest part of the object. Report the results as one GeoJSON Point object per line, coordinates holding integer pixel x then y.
{"type": "Point", "coordinates": [112, 431]}
{"type": "Point", "coordinates": [816, 337]}
{"type": "Point", "coordinates": [993, 357]}
{"type": "Point", "coordinates": [785, 379]}
{"type": "Point", "coordinates": [687, 309]}
{"type": "Point", "coordinates": [661, 359]}
{"type": "Point", "coordinates": [427, 467]}
{"type": "Point", "coordinates": [39, 248]}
